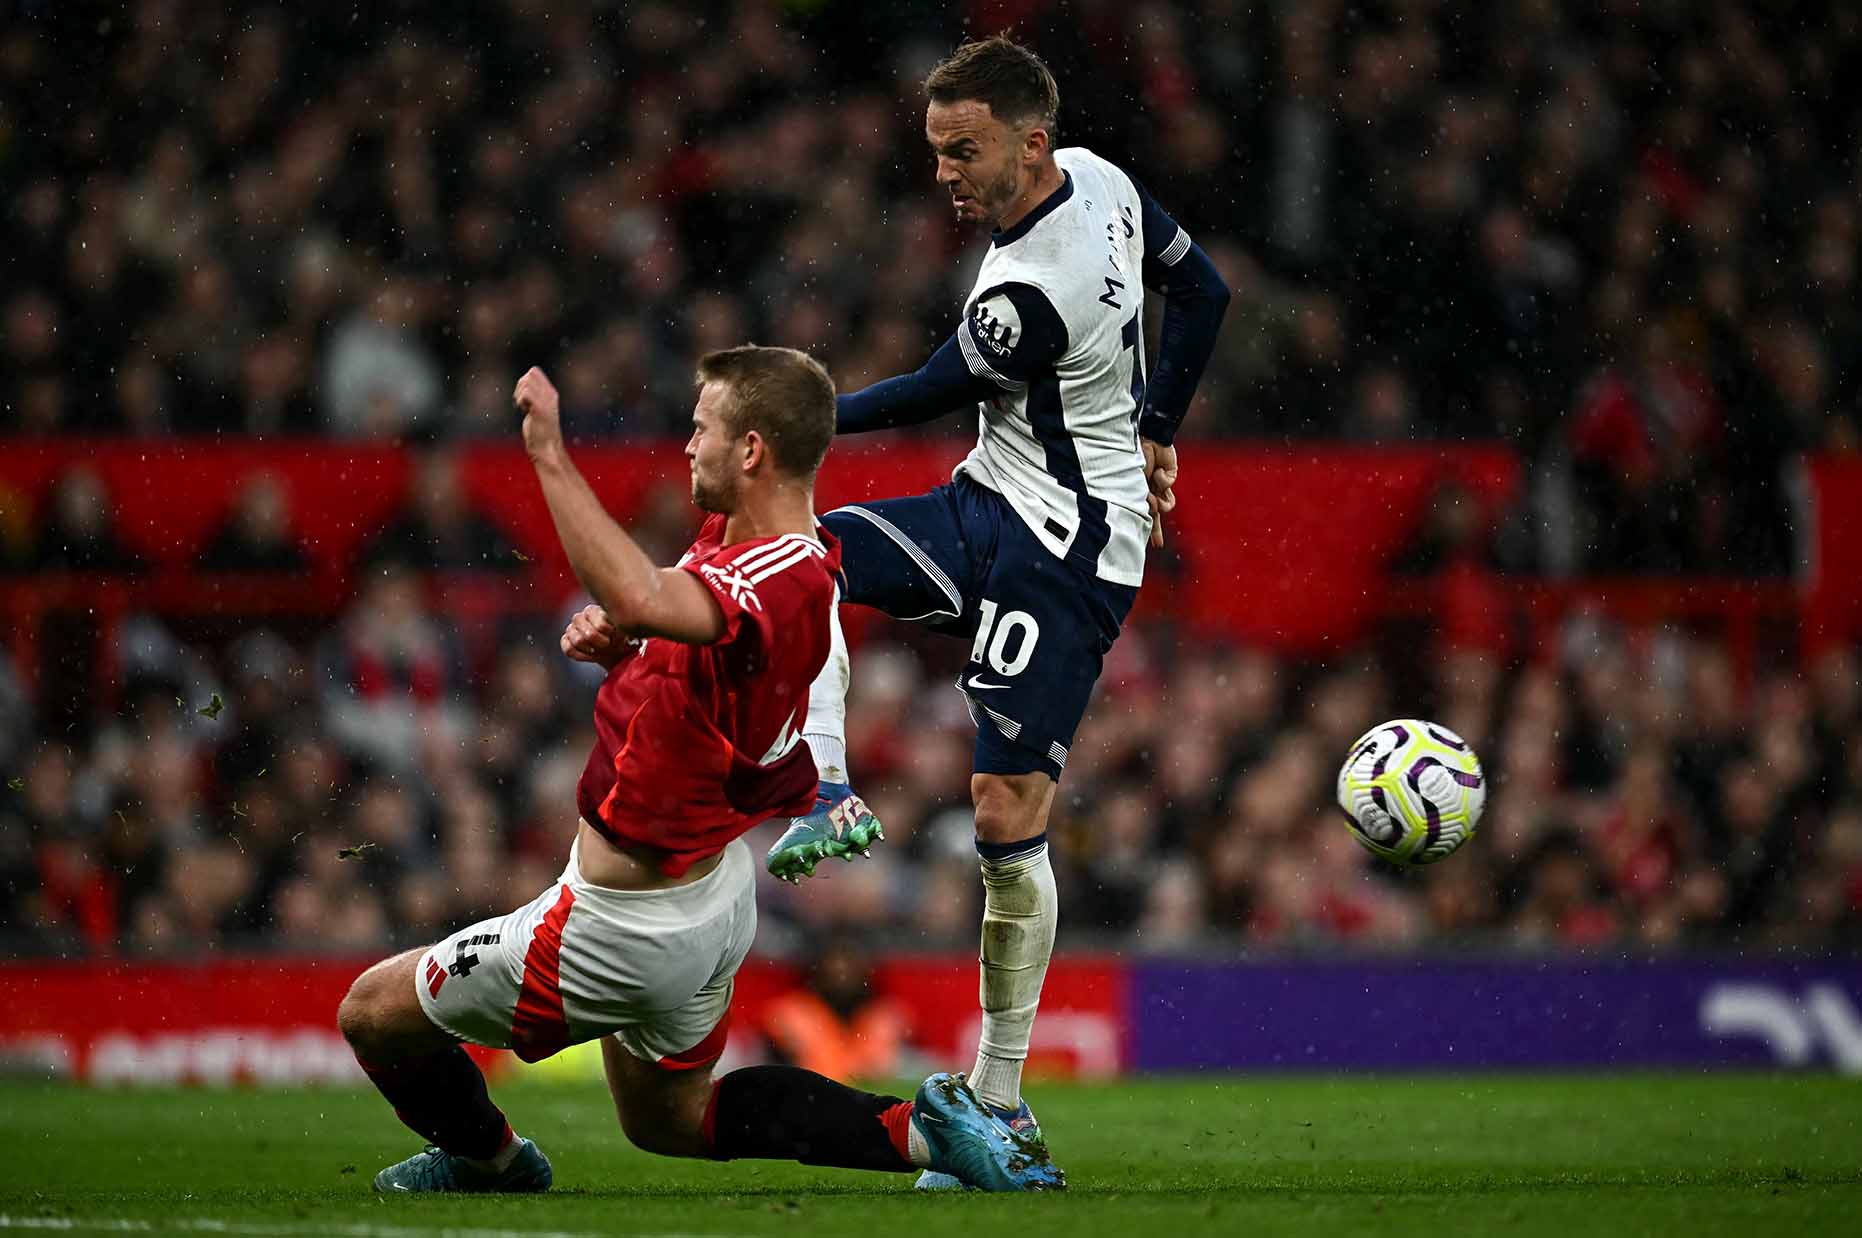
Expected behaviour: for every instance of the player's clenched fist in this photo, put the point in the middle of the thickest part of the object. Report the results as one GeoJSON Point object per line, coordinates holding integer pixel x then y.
{"type": "Point", "coordinates": [537, 400]}
{"type": "Point", "coordinates": [592, 637]}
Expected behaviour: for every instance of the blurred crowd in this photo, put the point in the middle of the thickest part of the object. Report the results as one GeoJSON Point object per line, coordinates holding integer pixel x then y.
{"type": "Point", "coordinates": [1622, 235]}
{"type": "Point", "coordinates": [1649, 791]}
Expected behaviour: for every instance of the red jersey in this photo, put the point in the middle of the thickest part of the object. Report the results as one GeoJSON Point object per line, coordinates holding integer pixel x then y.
{"type": "Point", "coordinates": [695, 744]}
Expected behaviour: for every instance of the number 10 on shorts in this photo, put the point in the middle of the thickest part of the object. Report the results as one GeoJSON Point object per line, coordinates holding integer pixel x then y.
{"type": "Point", "coordinates": [995, 635]}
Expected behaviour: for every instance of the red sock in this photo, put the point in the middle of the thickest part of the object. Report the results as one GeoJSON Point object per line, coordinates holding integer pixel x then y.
{"type": "Point", "coordinates": [442, 1098]}
{"type": "Point", "coordinates": [898, 1122]}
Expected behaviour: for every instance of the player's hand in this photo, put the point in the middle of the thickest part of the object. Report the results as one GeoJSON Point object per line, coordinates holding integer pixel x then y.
{"type": "Point", "coordinates": [537, 400]}
{"type": "Point", "coordinates": [1160, 474]}
{"type": "Point", "coordinates": [592, 637]}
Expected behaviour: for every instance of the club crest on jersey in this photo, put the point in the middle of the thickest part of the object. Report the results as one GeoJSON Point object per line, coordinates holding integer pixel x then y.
{"type": "Point", "coordinates": [995, 323]}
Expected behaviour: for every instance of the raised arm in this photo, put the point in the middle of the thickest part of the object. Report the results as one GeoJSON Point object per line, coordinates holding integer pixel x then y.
{"type": "Point", "coordinates": [1011, 331]}
{"type": "Point", "coordinates": [642, 598]}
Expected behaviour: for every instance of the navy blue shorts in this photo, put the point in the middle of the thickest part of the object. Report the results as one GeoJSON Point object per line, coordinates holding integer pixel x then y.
{"type": "Point", "coordinates": [1039, 626]}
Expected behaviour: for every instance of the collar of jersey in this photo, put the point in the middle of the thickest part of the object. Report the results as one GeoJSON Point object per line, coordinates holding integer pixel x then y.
{"type": "Point", "coordinates": [1047, 207]}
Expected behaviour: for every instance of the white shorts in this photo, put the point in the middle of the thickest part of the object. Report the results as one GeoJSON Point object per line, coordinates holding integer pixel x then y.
{"type": "Point", "coordinates": [651, 967]}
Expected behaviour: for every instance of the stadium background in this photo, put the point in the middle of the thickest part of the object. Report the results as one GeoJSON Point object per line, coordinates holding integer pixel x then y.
{"type": "Point", "coordinates": [1535, 413]}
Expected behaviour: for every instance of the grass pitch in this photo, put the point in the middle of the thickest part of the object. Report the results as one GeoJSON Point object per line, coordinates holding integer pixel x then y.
{"type": "Point", "coordinates": [1556, 1155]}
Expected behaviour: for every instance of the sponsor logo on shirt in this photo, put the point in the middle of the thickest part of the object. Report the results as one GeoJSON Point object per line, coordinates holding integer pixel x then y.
{"type": "Point", "coordinates": [995, 323]}
{"type": "Point", "coordinates": [742, 592]}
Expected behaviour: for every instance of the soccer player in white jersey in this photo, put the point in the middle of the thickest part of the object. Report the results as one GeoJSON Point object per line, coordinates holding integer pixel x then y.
{"type": "Point", "coordinates": [1035, 550]}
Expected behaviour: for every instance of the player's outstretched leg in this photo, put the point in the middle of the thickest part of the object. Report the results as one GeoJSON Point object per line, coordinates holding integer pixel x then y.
{"type": "Point", "coordinates": [780, 1113]}
{"type": "Point", "coordinates": [436, 1089]}
{"type": "Point", "coordinates": [841, 825]}
{"type": "Point", "coordinates": [786, 1113]}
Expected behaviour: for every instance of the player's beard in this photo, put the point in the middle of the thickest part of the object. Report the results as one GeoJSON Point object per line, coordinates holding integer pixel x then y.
{"type": "Point", "coordinates": [999, 195]}
{"type": "Point", "coordinates": [708, 498]}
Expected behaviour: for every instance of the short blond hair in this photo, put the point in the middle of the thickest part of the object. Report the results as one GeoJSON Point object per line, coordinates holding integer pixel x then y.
{"type": "Point", "coordinates": [783, 394]}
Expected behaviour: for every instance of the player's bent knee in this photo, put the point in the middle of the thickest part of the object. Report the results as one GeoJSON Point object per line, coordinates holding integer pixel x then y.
{"type": "Point", "coordinates": [662, 1129]}
{"type": "Point", "coordinates": [1011, 808]}
{"type": "Point", "coordinates": [380, 1016]}
{"type": "Point", "coordinates": [650, 1134]}
{"type": "Point", "coordinates": [352, 1019]}
{"type": "Point", "coordinates": [360, 1019]}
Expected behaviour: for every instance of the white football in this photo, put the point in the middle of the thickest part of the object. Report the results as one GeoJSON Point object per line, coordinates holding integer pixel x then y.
{"type": "Point", "coordinates": [1411, 791]}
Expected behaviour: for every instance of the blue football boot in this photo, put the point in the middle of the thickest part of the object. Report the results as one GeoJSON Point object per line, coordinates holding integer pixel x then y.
{"type": "Point", "coordinates": [840, 825]}
{"type": "Point", "coordinates": [435, 1170]}
{"type": "Point", "coordinates": [974, 1145]}
{"type": "Point", "coordinates": [1020, 1120]}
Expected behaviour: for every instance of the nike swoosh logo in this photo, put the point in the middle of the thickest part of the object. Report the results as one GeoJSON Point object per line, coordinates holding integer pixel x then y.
{"type": "Point", "coordinates": [977, 683]}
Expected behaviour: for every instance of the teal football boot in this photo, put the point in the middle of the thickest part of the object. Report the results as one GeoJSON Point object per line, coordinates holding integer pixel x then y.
{"type": "Point", "coordinates": [840, 825]}
{"type": "Point", "coordinates": [436, 1170]}
{"type": "Point", "coordinates": [1020, 1120]}
{"type": "Point", "coordinates": [971, 1143]}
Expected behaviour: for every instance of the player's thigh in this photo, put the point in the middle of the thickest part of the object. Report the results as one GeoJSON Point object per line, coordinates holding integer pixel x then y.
{"type": "Point", "coordinates": [471, 983]}
{"type": "Point", "coordinates": [659, 1110]}
{"type": "Point", "coordinates": [701, 935]}
{"type": "Point", "coordinates": [909, 557]}
{"type": "Point", "coordinates": [659, 1067]}
{"type": "Point", "coordinates": [581, 962]}
{"type": "Point", "coordinates": [1043, 628]}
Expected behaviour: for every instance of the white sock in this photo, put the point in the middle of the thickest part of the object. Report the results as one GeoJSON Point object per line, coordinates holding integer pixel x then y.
{"type": "Point", "coordinates": [825, 728]}
{"type": "Point", "coordinates": [830, 756]}
{"type": "Point", "coordinates": [1020, 911]}
{"type": "Point", "coordinates": [997, 1080]}
{"type": "Point", "coordinates": [917, 1151]}
{"type": "Point", "coordinates": [502, 1161]}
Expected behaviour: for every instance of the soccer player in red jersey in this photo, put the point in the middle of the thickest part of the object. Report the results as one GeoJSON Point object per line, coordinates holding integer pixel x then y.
{"type": "Point", "coordinates": [698, 740]}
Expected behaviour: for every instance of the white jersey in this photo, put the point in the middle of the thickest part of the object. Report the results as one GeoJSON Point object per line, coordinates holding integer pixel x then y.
{"type": "Point", "coordinates": [1056, 318]}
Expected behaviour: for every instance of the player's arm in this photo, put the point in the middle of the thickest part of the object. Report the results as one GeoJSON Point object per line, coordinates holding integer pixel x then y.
{"type": "Point", "coordinates": [1011, 333]}
{"type": "Point", "coordinates": [641, 598]}
{"type": "Point", "coordinates": [941, 385]}
{"type": "Point", "coordinates": [1195, 298]}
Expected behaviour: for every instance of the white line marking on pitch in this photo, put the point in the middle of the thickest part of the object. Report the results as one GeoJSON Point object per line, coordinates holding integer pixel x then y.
{"type": "Point", "coordinates": [208, 1225]}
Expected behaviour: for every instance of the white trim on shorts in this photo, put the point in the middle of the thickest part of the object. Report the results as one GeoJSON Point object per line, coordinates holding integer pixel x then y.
{"type": "Point", "coordinates": [917, 554]}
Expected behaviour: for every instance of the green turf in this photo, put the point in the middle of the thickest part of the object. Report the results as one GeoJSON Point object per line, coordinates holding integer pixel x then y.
{"type": "Point", "coordinates": [1576, 1156]}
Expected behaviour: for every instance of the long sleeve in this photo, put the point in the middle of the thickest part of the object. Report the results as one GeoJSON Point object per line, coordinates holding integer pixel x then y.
{"type": "Point", "coordinates": [941, 385]}
{"type": "Point", "coordinates": [1195, 298]}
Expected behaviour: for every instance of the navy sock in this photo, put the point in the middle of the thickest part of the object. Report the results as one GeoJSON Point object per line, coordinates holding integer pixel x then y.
{"type": "Point", "coordinates": [999, 852]}
{"type": "Point", "coordinates": [442, 1098]}
{"type": "Point", "coordinates": [785, 1113]}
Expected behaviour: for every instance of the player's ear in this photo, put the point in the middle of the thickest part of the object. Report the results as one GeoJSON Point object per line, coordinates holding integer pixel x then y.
{"type": "Point", "coordinates": [754, 450]}
{"type": "Point", "coordinates": [1037, 143]}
